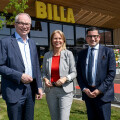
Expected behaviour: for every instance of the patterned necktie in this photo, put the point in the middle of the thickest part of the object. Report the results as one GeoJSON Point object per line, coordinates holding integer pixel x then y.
{"type": "Point", "coordinates": [90, 65]}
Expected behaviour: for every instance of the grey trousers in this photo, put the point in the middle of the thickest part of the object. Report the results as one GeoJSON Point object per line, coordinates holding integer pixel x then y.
{"type": "Point", "coordinates": [59, 103]}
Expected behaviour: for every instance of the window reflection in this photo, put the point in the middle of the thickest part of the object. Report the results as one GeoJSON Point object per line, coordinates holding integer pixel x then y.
{"type": "Point", "coordinates": [4, 30]}
{"type": "Point", "coordinates": [80, 35]}
{"type": "Point", "coordinates": [54, 27]}
{"type": "Point", "coordinates": [69, 34]}
{"type": "Point", "coordinates": [108, 37]}
{"type": "Point", "coordinates": [41, 41]}
{"type": "Point", "coordinates": [2, 36]}
{"type": "Point", "coordinates": [39, 29]}
{"type": "Point", "coordinates": [102, 41]}
{"type": "Point", "coordinates": [39, 33]}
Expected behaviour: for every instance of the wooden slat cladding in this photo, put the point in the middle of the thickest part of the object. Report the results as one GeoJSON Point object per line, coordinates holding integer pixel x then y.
{"type": "Point", "coordinates": [102, 13]}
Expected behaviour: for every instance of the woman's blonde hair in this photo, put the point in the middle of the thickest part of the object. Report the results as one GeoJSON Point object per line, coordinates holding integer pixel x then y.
{"type": "Point", "coordinates": [63, 38]}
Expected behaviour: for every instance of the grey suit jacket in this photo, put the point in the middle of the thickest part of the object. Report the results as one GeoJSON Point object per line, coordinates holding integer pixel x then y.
{"type": "Point", "coordinates": [66, 67]}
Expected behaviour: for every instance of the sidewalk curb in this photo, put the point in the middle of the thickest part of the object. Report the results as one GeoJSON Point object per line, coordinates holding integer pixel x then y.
{"type": "Point", "coordinates": [114, 105]}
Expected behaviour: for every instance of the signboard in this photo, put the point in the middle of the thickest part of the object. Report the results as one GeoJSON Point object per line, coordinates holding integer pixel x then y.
{"type": "Point", "coordinates": [53, 12]}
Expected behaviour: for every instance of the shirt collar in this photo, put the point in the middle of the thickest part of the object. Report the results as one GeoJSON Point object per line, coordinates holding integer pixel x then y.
{"type": "Point", "coordinates": [18, 37]}
{"type": "Point", "coordinates": [96, 47]}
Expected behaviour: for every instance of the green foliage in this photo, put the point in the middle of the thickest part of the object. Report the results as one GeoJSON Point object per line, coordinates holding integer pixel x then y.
{"type": "Point", "coordinates": [2, 21]}
{"type": "Point", "coordinates": [15, 7]}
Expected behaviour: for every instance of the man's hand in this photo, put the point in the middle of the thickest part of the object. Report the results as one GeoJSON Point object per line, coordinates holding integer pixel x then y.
{"type": "Point", "coordinates": [26, 78]}
{"type": "Point", "coordinates": [40, 94]}
{"type": "Point", "coordinates": [89, 93]}
{"type": "Point", "coordinates": [96, 92]}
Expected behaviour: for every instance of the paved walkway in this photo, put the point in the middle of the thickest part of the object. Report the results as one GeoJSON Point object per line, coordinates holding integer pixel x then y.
{"type": "Point", "coordinates": [114, 104]}
{"type": "Point", "coordinates": [116, 88]}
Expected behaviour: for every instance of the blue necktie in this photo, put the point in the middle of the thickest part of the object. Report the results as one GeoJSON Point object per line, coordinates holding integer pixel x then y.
{"type": "Point", "coordinates": [90, 65]}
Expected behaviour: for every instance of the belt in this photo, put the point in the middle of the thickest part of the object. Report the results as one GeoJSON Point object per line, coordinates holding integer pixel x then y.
{"type": "Point", "coordinates": [58, 86]}
{"type": "Point", "coordinates": [53, 83]}
{"type": "Point", "coordinates": [93, 86]}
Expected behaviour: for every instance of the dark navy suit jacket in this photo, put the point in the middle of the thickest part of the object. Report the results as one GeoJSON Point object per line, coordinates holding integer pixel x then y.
{"type": "Point", "coordinates": [106, 70]}
{"type": "Point", "coordinates": [12, 68]}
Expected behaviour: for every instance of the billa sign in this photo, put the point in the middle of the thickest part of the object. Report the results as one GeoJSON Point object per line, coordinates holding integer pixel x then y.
{"type": "Point", "coordinates": [50, 12]}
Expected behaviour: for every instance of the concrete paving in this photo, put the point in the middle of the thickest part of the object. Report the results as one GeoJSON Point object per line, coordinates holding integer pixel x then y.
{"type": "Point", "coordinates": [114, 104]}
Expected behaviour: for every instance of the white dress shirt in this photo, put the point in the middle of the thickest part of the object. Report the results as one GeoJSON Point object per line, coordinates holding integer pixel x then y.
{"type": "Point", "coordinates": [94, 67]}
{"type": "Point", "coordinates": [25, 52]}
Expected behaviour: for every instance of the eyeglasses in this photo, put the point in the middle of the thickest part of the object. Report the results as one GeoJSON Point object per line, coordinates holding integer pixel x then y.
{"type": "Point", "coordinates": [24, 24]}
{"type": "Point", "coordinates": [95, 36]}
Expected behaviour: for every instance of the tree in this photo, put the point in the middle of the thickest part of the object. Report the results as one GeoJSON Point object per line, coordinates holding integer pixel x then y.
{"type": "Point", "coordinates": [14, 7]}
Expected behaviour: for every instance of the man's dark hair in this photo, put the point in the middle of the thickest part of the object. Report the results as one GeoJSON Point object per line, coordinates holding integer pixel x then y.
{"type": "Point", "coordinates": [92, 29]}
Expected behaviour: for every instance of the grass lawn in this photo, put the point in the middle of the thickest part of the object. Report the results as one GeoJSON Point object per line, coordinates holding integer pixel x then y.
{"type": "Point", "coordinates": [78, 111]}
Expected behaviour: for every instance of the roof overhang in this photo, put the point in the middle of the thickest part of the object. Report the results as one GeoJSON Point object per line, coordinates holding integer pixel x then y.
{"type": "Point", "coordinates": [100, 13]}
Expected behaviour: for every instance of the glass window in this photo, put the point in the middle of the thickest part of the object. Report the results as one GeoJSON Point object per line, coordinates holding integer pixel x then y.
{"type": "Point", "coordinates": [54, 27]}
{"type": "Point", "coordinates": [12, 30]}
{"type": "Point", "coordinates": [68, 31]}
{"type": "Point", "coordinates": [69, 34]}
{"type": "Point", "coordinates": [39, 29]}
{"type": "Point", "coordinates": [102, 41]}
{"type": "Point", "coordinates": [2, 36]}
{"type": "Point", "coordinates": [39, 33]}
{"type": "Point", "coordinates": [40, 41]}
{"type": "Point", "coordinates": [4, 30]}
{"type": "Point", "coordinates": [80, 35]}
{"type": "Point", "coordinates": [108, 37]}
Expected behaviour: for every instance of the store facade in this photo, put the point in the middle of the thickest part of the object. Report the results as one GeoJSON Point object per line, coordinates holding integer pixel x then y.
{"type": "Point", "coordinates": [50, 17]}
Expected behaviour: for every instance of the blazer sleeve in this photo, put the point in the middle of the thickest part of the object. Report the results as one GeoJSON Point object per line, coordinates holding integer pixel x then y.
{"type": "Point", "coordinates": [72, 67]}
{"type": "Point", "coordinates": [111, 72]}
{"type": "Point", "coordinates": [5, 70]}
{"type": "Point", "coordinates": [38, 74]}
{"type": "Point", "coordinates": [80, 71]}
{"type": "Point", "coordinates": [44, 71]}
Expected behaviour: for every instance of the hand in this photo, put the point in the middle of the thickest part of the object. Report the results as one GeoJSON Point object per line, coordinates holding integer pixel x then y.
{"type": "Point", "coordinates": [40, 94]}
{"type": "Point", "coordinates": [61, 81]}
{"type": "Point", "coordinates": [89, 93]}
{"type": "Point", "coordinates": [47, 82]}
{"type": "Point", "coordinates": [96, 92]}
{"type": "Point", "coordinates": [26, 78]}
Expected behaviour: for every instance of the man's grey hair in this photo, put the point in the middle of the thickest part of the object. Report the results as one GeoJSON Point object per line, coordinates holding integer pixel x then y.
{"type": "Point", "coordinates": [16, 18]}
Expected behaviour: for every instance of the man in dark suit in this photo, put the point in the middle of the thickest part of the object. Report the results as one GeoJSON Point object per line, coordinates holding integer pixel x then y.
{"type": "Point", "coordinates": [96, 68]}
{"type": "Point", "coordinates": [19, 67]}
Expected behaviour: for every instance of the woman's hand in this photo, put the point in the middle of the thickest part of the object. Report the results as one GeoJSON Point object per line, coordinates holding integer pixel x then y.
{"type": "Point", "coordinates": [61, 81]}
{"type": "Point", "coordinates": [47, 82]}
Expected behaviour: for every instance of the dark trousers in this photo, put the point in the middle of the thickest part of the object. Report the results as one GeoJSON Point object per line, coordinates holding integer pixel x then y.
{"type": "Point", "coordinates": [97, 109]}
{"type": "Point", "coordinates": [24, 108]}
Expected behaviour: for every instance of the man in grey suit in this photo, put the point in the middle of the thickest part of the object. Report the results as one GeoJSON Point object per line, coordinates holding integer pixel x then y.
{"type": "Point", "coordinates": [96, 68]}
{"type": "Point", "coordinates": [19, 67]}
